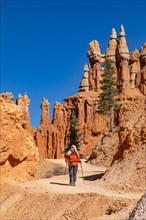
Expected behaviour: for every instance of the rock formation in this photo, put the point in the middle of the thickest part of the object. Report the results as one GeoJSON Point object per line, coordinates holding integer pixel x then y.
{"type": "Point", "coordinates": [18, 147]}
{"type": "Point", "coordinates": [134, 67]}
{"type": "Point", "coordinates": [91, 123]}
{"type": "Point", "coordinates": [139, 211]}
{"type": "Point", "coordinates": [94, 55]}
{"type": "Point", "coordinates": [7, 96]}
{"type": "Point", "coordinates": [112, 46]}
{"type": "Point", "coordinates": [52, 139]}
{"type": "Point", "coordinates": [23, 102]}
{"type": "Point", "coordinates": [123, 62]}
{"type": "Point", "coordinates": [41, 135]}
{"type": "Point", "coordinates": [141, 75]}
{"type": "Point", "coordinates": [84, 85]}
{"type": "Point", "coordinates": [45, 118]}
{"type": "Point", "coordinates": [105, 150]}
{"type": "Point", "coordinates": [112, 50]}
{"type": "Point", "coordinates": [130, 70]}
{"type": "Point", "coordinates": [130, 157]}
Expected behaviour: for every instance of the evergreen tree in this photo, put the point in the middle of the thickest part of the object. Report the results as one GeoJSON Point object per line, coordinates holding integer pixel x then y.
{"type": "Point", "coordinates": [106, 99]}
{"type": "Point", "coordinates": [75, 135]}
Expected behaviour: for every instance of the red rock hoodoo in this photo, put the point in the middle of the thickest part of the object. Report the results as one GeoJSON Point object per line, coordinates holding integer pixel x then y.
{"type": "Point", "coordinates": [131, 76]}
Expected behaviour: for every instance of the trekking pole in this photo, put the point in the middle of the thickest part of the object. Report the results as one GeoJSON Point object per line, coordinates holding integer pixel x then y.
{"type": "Point", "coordinates": [65, 171]}
{"type": "Point", "coordinates": [82, 171]}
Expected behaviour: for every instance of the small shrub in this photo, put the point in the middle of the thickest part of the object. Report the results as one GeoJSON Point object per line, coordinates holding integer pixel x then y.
{"type": "Point", "coordinates": [49, 174]}
{"type": "Point", "coordinates": [57, 170]}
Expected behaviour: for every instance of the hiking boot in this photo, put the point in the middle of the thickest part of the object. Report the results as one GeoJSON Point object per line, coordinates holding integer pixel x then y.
{"type": "Point", "coordinates": [70, 184]}
{"type": "Point", "coordinates": [74, 184]}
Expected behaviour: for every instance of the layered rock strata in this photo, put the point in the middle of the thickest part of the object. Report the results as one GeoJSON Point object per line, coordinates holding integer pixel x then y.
{"type": "Point", "coordinates": [51, 140]}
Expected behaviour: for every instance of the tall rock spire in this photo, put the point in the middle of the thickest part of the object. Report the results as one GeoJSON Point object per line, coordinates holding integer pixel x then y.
{"type": "Point", "coordinates": [23, 102]}
{"type": "Point", "coordinates": [122, 44]}
{"type": "Point", "coordinates": [94, 53]}
{"type": "Point", "coordinates": [113, 34]}
{"type": "Point", "coordinates": [122, 31]}
{"type": "Point", "coordinates": [84, 85]}
{"type": "Point", "coordinates": [134, 67]}
{"type": "Point", "coordinates": [42, 133]}
{"type": "Point", "coordinates": [123, 62]}
{"type": "Point", "coordinates": [112, 46]}
{"type": "Point", "coordinates": [45, 118]}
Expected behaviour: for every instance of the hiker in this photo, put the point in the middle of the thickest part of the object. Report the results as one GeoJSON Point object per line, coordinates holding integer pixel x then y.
{"type": "Point", "coordinates": [72, 157]}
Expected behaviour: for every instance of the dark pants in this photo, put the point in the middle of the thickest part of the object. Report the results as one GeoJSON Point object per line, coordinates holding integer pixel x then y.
{"type": "Point", "coordinates": [72, 173]}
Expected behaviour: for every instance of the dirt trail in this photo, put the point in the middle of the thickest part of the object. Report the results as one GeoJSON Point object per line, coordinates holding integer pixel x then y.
{"type": "Point", "coordinates": [87, 182]}
{"type": "Point", "coordinates": [54, 199]}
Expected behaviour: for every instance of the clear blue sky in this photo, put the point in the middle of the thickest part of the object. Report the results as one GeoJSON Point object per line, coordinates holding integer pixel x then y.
{"type": "Point", "coordinates": [44, 43]}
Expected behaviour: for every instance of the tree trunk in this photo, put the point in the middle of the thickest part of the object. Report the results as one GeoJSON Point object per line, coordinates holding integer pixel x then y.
{"type": "Point", "coordinates": [111, 118]}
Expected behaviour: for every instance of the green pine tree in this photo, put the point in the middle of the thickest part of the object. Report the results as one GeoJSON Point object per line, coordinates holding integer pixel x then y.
{"type": "Point", "coordinates": [106, 99]}
{"type": "Point", "coordinates": [75, 135]}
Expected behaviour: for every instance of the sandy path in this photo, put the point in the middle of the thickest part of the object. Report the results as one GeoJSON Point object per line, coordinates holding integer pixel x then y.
{"type": "Point", "coordinates": [53, 198]}
{"type": "Point", "coordinates": [59, 184]}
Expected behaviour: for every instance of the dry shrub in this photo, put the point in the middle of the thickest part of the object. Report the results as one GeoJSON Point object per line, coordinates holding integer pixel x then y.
{"type": "Point", "coordinates": [57, 170]}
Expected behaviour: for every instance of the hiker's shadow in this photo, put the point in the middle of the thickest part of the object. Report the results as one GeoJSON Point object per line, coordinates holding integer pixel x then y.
{"type": "Point", "coordinates": [93, 177]}
{"type": "Point", "coordinates": [62, 184]}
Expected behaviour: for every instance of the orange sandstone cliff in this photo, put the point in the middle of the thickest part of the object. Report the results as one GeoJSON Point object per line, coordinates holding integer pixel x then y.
{"type": "Point", "coordinates": [129, 163]}
{"type": "Point", "coordinates": [19, 152]}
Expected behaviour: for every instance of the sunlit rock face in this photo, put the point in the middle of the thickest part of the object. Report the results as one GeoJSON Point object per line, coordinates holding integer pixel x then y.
{"type": "Point", "coordinates": [18, 147]}
{"type": "Point", "coordinates": [130, 156]}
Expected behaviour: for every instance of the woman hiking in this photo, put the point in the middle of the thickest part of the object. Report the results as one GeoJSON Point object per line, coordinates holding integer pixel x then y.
{"type": "Point", "coordinates": [72, 157]}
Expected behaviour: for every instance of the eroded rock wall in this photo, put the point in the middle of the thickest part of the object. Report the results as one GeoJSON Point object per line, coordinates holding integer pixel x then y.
{"type": "Point", "coordinates": [129, 164]}
{"type": "Point", "coordinates": [104, 151]}
{"type": "Point", "coordinates": [17, 139]}
{"type": "Point", "coordinates": [52, 139]}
